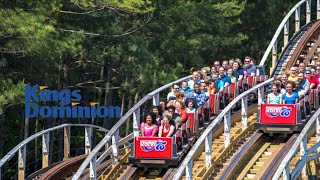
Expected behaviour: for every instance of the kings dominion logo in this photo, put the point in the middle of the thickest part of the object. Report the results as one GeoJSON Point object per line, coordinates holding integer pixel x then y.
{"type": "Point", "coordinates": [67, 104]}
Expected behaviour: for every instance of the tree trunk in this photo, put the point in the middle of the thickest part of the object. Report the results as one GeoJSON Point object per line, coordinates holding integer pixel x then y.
{"type": "Point", "coordinates": [66, 60]}
{"type": "Point", "coordinates": [2, 119]}
{"type": "Point", "coordinates": [26, 128]}
{"type": "Point", "coordinates": [96, 122]}
{"type": "Point", "coordinates": [36, 143]}
{"type": "Point", "coordinates": [136, 98]}
{"type": "Point", "coordinates": [107, 123]}
{"type": "Point", "coordinates": [129, 119]}
{"type": "Point", "coordinates": [93, 121]}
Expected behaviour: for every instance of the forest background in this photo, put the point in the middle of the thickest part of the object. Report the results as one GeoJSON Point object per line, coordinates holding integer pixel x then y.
{"type": "Point", "coordinates": [117, 51]}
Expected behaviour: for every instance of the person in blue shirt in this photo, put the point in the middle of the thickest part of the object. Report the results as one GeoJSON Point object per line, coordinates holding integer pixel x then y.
{"type": "Point", "coordinates": [184, 87]}
{"type": "Point", "coordinates": [198, 95]}
{"type": "Point", "coordinates": [290, 97]}
{"type": "Point", "coordinates": [237, 71]}
{"type": "Point", "coordinates": [226, 79]}
{"type": "Point", "coordinates": [304, 84]}
{"type": "Point", "coordinates": [249, 66]}
{"type": "Point", "coordinates": [297, 88]}
{"type": "Point", "coordinates": [219, 85]}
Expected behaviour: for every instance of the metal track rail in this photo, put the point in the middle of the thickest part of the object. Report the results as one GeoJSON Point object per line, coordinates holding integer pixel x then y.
{"type": "Point", "coordinates": [273, 166]}
{"type": "Point", "coordinates": [238, 158]}
{"type": "Point", "coordinates": [263, 158]}
{"type": "Point", "coordinates": [126, 170]}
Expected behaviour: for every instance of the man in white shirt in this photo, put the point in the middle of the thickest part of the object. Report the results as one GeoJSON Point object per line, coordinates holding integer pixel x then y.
{"type": "Point", "coordinates": [175, 88]}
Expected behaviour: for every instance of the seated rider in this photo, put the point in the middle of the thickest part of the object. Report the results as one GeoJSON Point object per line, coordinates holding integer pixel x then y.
{"type": "Point", "coordinates": [149, 127]}
{"type": "Point", "coordinates": [190, 108]}
{"type": "Point", "coordinates": [166, 129]}
{"type": "Point", "coordinates": [176, 119]}
{"type": "Point", "coordinates": [274, 97]}
{"type": "Point", "coordinates": [290, 97]}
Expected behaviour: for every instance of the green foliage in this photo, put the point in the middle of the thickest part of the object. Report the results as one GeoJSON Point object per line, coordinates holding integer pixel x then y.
{"type": "Point", "coordinates": [136, 6]}
{"type": "Point", "coordinates": [262, 18]}
{"type": "Point", "coordinates": [11, 93]}
{"type": "Point", "coordinates": [140, 44]}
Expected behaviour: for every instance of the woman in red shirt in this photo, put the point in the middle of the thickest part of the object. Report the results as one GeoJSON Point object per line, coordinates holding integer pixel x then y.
{"type": "Point", "coordinates": [166, 129]}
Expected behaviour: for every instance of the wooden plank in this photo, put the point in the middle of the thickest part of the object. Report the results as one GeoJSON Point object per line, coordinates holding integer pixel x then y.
{"type": "Point", "coordinates": [117, 166]}
{"type": "Point", "coordinates": [225, 151]}
{"type": "Point", "coordinates": [252, 161]}
{"type": "Point", "coordinates": [221, 150]}
{"type": "Point", "coordinates": [199, 155]}
{"type": "Point", "coordinates": [266, 164]}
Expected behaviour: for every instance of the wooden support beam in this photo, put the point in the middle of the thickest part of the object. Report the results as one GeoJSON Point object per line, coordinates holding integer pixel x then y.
{"type": "Point", "coordinates": [93, 168]}
{"type": "Point", "coordinates": [318, 9]}
{"type": "Point", "coordinates": [136, 122]}
{"type": "Point", "coordinates": [189, 170]}
{"type": "Point", "coordinates": [286, 34]}
{"type": "Point", "coordinates": [155, 99]}
{"type": "Point", "coordinates": [303, 154]}
{"type": "Point", "coordinates": [244, 112]}
{"type": "Point", "coordinates": [45, 149]}
{"type": "Point", "coordinates": [66, 140]}
{"type": "Point", "coordinates": [286, 172]}
{"type": "Point", "coordinates": [274, 56]}
{"type": "Point", "coordinates": [21, 163]}
{"type": "Point", "coordinates": [308, 11]}
{"type": "Point", "coordinates": [208, 149]}
{"type": "Point", "coordinates": [88, 135]}
{"type": "Point", "coordinates": [297, 19]}
{"type": "Point", "coordinates": [227, 126]}
{"type": "Point", "coordinates": [115, 147]}
{"type": "Point", "coordinates": [318, 131]}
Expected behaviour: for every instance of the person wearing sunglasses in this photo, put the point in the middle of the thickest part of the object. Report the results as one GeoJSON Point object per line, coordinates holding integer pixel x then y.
{"type": "Point", "coordinates": [251, 69]}
{"type": "Point", "coordinates": [311, 79]}
{"type": "Point", "coordinates": [174, 90]}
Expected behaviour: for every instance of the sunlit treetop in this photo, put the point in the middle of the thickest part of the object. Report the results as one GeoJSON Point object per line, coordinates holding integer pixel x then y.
{"type": "Point", "coordinates": [131, 6]}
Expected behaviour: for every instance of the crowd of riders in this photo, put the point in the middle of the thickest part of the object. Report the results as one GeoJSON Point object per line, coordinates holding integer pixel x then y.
{"type": "Point", "coordinates": [186, 97]}
{"type": "Point", "coordinates": [294, 84]}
